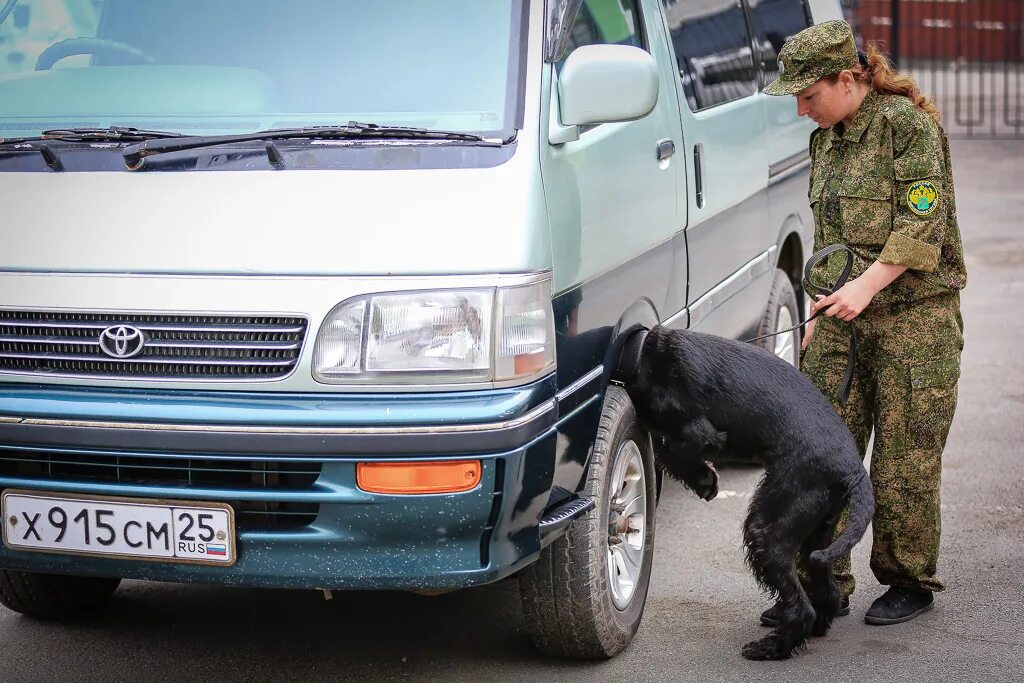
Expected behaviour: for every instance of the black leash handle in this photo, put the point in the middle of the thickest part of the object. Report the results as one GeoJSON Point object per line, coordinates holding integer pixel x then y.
{"type": "Point", "coordinates": [825, 290]}
{"type": "Point", "coordinates": [820, 256]}
{"type": "Point", "coordinates": [843, 393]}
{"type": "Point", "coordinates": [818, 290]}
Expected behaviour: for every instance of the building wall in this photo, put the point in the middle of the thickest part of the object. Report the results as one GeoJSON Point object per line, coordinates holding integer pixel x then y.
{"type": "Point", "coordinates": [972, 30]}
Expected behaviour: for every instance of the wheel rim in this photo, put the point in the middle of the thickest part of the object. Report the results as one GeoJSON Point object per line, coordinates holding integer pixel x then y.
{"type": "Point", "coordinates": [627, 523]}
{"type": "Point", "coordinates": [785, 344]}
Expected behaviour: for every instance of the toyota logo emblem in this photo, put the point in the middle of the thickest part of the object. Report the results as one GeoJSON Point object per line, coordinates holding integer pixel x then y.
{"type": "Point", "coordinates": [122, 341]}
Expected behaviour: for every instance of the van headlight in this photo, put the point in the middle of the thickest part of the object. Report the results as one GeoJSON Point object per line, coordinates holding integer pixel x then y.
{"type": "Point", "coordinates": [444, 336]}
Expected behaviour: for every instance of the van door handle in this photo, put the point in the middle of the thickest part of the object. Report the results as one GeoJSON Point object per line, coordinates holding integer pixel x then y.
{"type": "Point", "coordinates": [666, 148]}
{"type": "Point", "coordinates": [698, 174]}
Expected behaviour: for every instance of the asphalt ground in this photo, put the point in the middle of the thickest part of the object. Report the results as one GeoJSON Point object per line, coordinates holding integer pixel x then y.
{"type": "Point", "coordinates": [703, 604]}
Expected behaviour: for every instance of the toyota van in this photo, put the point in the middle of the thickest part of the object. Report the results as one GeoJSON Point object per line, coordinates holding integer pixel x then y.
{"type": "Point", "coordinates": [331, 295]}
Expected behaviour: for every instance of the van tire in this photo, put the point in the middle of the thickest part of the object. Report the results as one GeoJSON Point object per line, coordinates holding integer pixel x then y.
{"type": "Point", "coordinates": [781, 305]}
{"type": "Point", "coordinates": [566, 594]}
{"type": "Point", "coordinates": [53, 596]}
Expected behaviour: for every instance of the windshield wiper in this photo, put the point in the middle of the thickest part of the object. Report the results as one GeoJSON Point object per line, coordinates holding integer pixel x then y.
{"type": "Point", "coordinates": [135, 154]}
{"type": "Point", "coordinates": [38, 143]}
{"type": "Point", "coordinates": [111, 134]}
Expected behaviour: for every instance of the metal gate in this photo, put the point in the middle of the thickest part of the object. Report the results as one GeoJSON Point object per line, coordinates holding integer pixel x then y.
{"type": "Point", "coordinates": [968, 55]}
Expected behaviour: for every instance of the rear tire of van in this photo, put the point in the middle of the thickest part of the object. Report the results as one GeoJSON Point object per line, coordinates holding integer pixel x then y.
{"type": "Point", "coordinates": [52, 596]}
{"type": "Point", "coordinates": [585, 596]}
{"type": "Point", "coordinates": [781, 313]}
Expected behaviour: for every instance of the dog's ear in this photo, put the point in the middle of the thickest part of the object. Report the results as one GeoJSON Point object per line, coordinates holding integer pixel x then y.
{"type": "Point", "coordinates": [701, 432]}
{"type": "Point", "coordinates": [716, 440]}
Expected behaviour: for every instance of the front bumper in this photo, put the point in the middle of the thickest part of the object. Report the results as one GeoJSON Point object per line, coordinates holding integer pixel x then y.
{"type": "Point", "coordinates": [355, 539]}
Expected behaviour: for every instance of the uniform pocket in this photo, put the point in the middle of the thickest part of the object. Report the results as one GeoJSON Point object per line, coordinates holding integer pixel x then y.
{"type": "Point", "coordinates": [814, 191]}
{"type": "Point", "coordinates": [933, 393]}
{"type": "Point", "coordinates": [865, 210]}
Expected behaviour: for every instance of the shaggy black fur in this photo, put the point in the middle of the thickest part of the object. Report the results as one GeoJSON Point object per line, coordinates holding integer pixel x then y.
{"type": "Point", "coordinates": [701, 396]}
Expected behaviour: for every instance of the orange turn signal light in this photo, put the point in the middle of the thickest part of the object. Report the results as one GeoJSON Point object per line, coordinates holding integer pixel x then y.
{"type": "Point", "coordinates": [446, 476]}
{"type": "Point", "coordinates": [528, 363]}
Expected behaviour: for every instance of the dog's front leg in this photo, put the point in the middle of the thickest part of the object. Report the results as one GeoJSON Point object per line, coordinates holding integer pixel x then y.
{"type": "Point", "coordinates": [683, 451]}
{"type": "Point", "coordinates": [703, 481]}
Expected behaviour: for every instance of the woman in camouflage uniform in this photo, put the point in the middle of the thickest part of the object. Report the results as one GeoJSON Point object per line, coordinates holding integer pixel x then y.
{"type": "Point", "coordinates": [881, 183]}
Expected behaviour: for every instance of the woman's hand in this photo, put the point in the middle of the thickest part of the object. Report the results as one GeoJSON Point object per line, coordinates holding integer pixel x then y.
{"type": "Point", "coordinates": [848, 301]}
{"type": "Point", "coordinates": [852, 298]}
{"type": "Point", "coordinates": [808, 331]}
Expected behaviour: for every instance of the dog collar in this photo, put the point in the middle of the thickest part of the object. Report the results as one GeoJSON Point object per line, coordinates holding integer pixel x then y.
{"type": "Point", "coordinates": [629, 360]}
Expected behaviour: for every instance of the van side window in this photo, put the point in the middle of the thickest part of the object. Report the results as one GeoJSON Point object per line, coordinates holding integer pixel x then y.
{"type": "Point", "coordinates": [775, 22]}
{"type": "Point", "coordinates": [712, 46]}
{"type": "Point", "coordinates": [604, 22]}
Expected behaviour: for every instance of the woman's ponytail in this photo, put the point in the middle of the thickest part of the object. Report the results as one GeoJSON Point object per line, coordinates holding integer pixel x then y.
{"type": "Point", "coordinates": [875, 69]}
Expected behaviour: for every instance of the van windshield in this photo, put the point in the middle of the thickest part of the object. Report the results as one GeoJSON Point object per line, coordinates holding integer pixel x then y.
{"type": "Point", "coordinates": [203, 67]}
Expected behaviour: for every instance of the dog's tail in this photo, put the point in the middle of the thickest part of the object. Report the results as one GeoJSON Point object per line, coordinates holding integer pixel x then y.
{"type": "Point", "coordinates": [862, 508]}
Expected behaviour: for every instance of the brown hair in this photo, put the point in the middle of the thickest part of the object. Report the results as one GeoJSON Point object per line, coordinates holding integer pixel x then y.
{"type": "Point", "coordinates": [879, 74]}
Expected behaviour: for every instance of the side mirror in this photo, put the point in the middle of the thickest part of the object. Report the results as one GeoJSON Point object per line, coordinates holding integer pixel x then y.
{"type": "Point", "coordinates": [605, 83]}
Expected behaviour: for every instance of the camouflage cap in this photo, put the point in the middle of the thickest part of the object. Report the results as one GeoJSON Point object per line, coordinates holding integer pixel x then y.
{"type": "Point", "coordinates": [812, 54]}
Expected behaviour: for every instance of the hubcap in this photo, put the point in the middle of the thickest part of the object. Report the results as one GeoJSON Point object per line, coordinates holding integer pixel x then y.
{"type": "Point", "coordinates": [785, 344]}
{"type": "Point", "coordinates": [627, 521]}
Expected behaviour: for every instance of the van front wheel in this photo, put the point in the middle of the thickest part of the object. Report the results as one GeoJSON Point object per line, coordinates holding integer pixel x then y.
{"type": "Point", "coordinates": [781, 314]}
{"type": "Point", "coordinates": [584, 597]}
{"type": "Point", "coordinates": [52, 596]}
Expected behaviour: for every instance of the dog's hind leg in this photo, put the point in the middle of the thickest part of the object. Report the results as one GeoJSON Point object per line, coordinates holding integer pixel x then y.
{"type": "Point", "coordinates": [821, 587]}
{"type": "Point", "coordinates": [796, 618]}
{"type": "Point", "coordinates": [772, 533]}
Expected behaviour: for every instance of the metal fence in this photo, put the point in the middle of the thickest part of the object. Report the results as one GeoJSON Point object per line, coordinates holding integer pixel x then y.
{"type": "Point", "coordinates": [966, 54]}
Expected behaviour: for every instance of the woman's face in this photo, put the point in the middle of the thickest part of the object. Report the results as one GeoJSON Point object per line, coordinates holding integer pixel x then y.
{"type": "Point", "coordinates": [824, 102]}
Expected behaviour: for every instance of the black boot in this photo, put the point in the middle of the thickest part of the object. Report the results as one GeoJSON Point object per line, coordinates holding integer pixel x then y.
{"type": "Point", "coordinates": [770, 617]}
{"type": "Point", "coordinates": [897, 605]}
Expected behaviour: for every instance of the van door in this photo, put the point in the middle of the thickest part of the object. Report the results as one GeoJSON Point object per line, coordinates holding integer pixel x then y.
{"type": "Point", "coordinates": [727, 237]}
{"type": "Point", "coordinates": [774, 22]}
{"type": "Point", "coordinates": [612, 202]}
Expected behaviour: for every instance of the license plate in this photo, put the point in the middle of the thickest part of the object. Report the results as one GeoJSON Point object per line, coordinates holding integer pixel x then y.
{"type": "Point", "coordinates": [169, 531]}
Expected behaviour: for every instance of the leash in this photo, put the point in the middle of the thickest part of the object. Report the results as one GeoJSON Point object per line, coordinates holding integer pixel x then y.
{"type": "Point", "coordinates": [813, 289]}
{"type": "Point", "coordinates": [630, 356]}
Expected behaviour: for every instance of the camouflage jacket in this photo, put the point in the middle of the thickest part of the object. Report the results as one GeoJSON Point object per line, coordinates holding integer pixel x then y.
{"type": "Point", "coordinates": [884, 187]}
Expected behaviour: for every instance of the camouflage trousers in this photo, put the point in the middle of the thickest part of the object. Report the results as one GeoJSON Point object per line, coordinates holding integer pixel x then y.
{"type": "Point", "coordinates": [904, 391]}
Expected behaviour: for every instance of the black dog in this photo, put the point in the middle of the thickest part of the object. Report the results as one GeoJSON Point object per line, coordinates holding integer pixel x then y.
{"type": "Point", "coordinates": [700, 395]}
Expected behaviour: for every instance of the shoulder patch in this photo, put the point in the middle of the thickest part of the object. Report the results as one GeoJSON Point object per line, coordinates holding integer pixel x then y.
{"type": "Point", "coordinates": [922, 198]}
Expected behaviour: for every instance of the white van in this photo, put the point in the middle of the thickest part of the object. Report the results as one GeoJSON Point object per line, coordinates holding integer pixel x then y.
{"type": "Point", "coordinates": [329, 294]}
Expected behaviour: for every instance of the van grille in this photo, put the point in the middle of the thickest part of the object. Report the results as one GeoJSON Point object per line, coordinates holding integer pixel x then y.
{"type": "Point", "coordinates": [236, 476]}
{"type": "Point", "coordinates": [180, 347]}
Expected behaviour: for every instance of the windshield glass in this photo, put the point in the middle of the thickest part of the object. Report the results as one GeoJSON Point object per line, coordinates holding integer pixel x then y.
{"type": "Point", "coordinates": [233, 66]}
